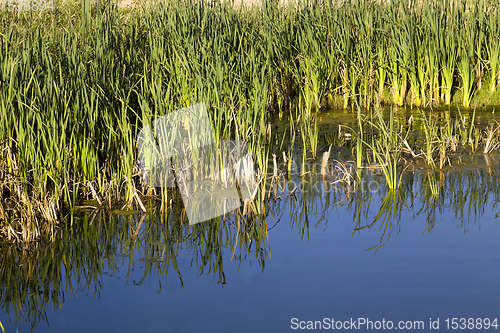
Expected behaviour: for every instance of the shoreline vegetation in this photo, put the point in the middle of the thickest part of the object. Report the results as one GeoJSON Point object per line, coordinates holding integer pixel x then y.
{"type": "Point", "coordinates": [79, 82]}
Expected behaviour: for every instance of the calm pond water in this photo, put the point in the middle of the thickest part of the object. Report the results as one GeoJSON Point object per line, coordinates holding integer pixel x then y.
{"type": "Point", "coordinates": [327, 254]}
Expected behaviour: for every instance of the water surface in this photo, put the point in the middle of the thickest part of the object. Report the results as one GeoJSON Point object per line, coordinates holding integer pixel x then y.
{"type": "Point", "coordinates": [428, 251]}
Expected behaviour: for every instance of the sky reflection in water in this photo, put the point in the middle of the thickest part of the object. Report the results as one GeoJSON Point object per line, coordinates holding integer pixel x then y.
{"type": "Point", "coordinates": [318, 261]}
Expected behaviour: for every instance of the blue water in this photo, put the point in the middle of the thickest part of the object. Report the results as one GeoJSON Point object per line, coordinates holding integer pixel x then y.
{"type": "Point", "coordinates": [332, 272]}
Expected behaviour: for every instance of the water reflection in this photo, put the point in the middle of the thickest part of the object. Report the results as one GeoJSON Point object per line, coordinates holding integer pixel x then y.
{"type": "Point", "coordinates": [44, 276]}
{"type": "Point", "coordinates": [459, 196]}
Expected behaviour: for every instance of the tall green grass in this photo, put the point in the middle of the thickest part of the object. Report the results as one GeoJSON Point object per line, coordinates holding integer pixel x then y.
{"type": "Point", "coordinates": [78, 83]}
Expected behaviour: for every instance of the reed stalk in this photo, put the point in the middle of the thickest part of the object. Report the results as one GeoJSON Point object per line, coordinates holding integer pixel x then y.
{"type": "Point", "coordinates": [492, 46]}
{"type": "Point", "coordinates": [431, 138]}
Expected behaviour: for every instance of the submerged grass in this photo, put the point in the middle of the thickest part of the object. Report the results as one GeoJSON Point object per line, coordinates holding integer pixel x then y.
{"type": "Point", "coordinates": [429, 140]}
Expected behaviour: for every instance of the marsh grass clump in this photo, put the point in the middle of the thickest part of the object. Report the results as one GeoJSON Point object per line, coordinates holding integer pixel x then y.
{"type": "Point", "coordinates": [429, 140]}
{"type": "Point", "coordinates": [491, 138]}
{"type": "Point", "coordinates": [386, 147]}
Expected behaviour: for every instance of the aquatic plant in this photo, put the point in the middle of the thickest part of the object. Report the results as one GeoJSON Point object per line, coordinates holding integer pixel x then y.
{"type": "Point", "coordinates": [345, 175]}
{"type": "Point", "coordinates": [431, 142]}
{"type": "Point", "coordinates": [386, 146]}
{"type": "Point", "coordinates": [491, 142]}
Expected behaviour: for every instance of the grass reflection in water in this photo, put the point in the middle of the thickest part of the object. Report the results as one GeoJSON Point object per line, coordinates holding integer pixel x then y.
{"type": "Point", "coordinates": [41, 276]}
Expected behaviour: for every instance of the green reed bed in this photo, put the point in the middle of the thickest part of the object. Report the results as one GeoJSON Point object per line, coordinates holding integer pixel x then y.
{"type": "Point", "coordinates": [79, 82]}
{"type": "Point", "coordinates": [393, 143]}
